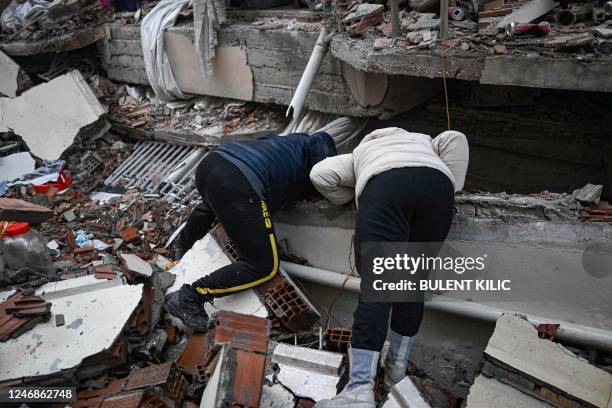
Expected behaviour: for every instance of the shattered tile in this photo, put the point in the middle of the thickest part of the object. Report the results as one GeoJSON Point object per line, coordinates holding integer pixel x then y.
{"type": "Point", "coordinates": [130, 235]}
{"type": "Point", "coordinates": [14, 322]}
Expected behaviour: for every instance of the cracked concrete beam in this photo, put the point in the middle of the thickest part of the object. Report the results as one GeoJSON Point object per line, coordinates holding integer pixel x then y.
{"type": "Point", "coordinates": [515, 344]}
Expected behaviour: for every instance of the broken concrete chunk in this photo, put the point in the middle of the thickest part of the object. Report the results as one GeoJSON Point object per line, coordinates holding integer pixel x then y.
{"type": "Point", "coordinates": [490, 393]}
{"type": "Point", "coordinates": [69, 216]}
{"type": "Point", "coordinates": [276, 396]}
{"type": "Point", "coordinates": [12, 209]}
{"type": "Point", "coordinates": [307, 373]}
{"type": "Point", "coordinates": [515, 346]}
{"type": "Point", "coordinates": [13, 79]}
{"type": "Point", "coordinates": [602, 31]}
{"type": "Point", "coordinates": [16, 165]}
{"type": "Point", "coordinates": [589, 194]}
{"type": "Point", "coordinates": [405, 394]}
{"type": "Point", "coordinates": [423, 22]}
{"type": "Point", "coordinates": [136, 265]}
{"type": "Point", "coordinates": [95, 313]}
{"type": "Point", "coordinates": [49, 116]}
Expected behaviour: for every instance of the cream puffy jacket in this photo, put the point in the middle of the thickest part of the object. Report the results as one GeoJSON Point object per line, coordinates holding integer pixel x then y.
{"type": "Point", "coordinates": [340, 178]}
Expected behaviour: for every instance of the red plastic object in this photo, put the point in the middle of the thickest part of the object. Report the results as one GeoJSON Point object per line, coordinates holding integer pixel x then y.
{"type": "Point", "coordinates": [62, 183]}
{"type": "Point", "coordinates": [17, 228]}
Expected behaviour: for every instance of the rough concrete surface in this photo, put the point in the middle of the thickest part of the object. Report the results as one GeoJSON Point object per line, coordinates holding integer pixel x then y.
{"type": "Point", "coordinates": [9, 73]}
{"type": "Point", "coordinates": [276, 55]}
{"type": "Point", "coordinates": [515, 344]}
{"type": "Point", "coordinates": [49, 116]}
{"type": "Point", "coordinates": [490, 393]}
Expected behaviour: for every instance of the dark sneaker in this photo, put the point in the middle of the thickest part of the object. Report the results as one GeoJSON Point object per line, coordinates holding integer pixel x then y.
{"type": "Point", "coordinates": [189, 307]}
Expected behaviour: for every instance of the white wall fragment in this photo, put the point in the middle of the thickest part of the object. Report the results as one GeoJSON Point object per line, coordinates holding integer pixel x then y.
{"type": "Point", "coordinates": [405, 394]}
{"type": "Point", "coordinates": [16, 165]}
{"type": "Point", "coordinates": [49, 116]}
{"type": "Point", "coordinates": [95, 313]}
{"type": "Point", "coordinates": [9, 73]}
{"type": "Point", "coordinates": [308, 373]}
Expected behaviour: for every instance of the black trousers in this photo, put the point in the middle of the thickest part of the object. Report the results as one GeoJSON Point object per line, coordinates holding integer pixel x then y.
{"type": "Point", "coordinates": [413, 204]}
{"type": "Point", "coordinates": [228, 196]}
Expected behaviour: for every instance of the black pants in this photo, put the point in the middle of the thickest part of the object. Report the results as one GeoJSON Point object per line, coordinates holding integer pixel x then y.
{"type": "Point", "coordinates": [228, 196]}
{"type": "Point", "coordinates": [413, 204]}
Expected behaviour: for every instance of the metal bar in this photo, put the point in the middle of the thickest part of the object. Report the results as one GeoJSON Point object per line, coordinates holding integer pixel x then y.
{"type": "Point", "coordinates": [127, 172]}
{"type": "Point", "coordinates": [140, 146]}
{"type": "Point", "coordinates": [443, 19]}
{"type": "Point", "coordinates": [155, 169]}
{"type": "Point", "coordinates": [180, 155]}
{"type": "Point", "coordinates": [144, 162]}
{"type": "Point", "coordinates": [395, 19]}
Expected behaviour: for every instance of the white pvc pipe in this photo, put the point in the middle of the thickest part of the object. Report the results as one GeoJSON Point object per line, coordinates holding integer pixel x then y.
{"type": "Point", "coordinates": [310, 72]}
{"type": "Point", "coordinates": [567, 332]}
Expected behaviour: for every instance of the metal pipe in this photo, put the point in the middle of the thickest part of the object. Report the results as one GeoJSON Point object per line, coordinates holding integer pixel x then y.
{"type": "Point", "coordinates": [310, 72]}
{"type": "Point", "coordinates": [573, 15]}
{"type": "Point", "coordinates": [567, 332]}
{"type": "Point", "coordinates": [456, 13]}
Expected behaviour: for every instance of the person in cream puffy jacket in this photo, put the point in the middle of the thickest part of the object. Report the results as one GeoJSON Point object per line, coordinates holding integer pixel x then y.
{"type": "Point", "coordinates": [403, 184]}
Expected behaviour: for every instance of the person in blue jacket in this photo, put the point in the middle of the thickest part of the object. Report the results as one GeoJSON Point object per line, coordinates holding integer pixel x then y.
{"type": "Point", "coordinates": [242, 183]}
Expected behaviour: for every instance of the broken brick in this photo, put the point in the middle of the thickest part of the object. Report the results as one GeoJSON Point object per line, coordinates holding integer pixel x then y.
{"type": "Point", "coordinates": [337, 339]}
{"type": "Point", "coordinates": [105, 272]}
{"type": "Point", "coordinates": [242, 332]}
{"type": "Point", "coordinates": [17, 317]}
{"type": "Point", "coordinates": [130, 235]}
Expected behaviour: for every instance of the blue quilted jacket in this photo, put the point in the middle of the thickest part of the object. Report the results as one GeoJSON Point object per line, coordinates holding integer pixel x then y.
{"type": "Point", "coordinates": [278, 167]}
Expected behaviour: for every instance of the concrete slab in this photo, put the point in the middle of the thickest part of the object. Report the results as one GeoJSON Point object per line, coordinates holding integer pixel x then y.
{"type": "Point", "coordinates": [490, 393]}
{"type": "Point", "coordinates": [515, 344]}
{"type": "Point", "coordinates": [49, 116]}
{"type": "Point", "coordinates": [308, 373]}
{"type": "Point", "coordinates": [95, 315]}
{"type": "Point", "coordinates": [276, 396]}
{"type": "Point", "coordinates": [9, 74]}
{"type": "Point", "coordinates": [16, 165]}
{"type": "Point", "coordinates": [136, 265]}
{"type": "Point", "coordinates": [231, 76]}
{"type": "Point", "coordinates": [405, 395]}
{"type": "Point", "coordinates": [205, 257]}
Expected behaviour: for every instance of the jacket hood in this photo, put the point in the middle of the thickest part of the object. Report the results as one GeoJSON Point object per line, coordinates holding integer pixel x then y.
{"type": "Point", "coordinates": [319, 147]}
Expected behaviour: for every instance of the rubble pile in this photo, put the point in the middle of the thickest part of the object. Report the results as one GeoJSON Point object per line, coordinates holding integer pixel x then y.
{"type": "Point", "coordinates": [496, 27]}
{"type": "Point", "coordinates": [137, 107]}
{"type": "Point", "coordinates": [40, 19]}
